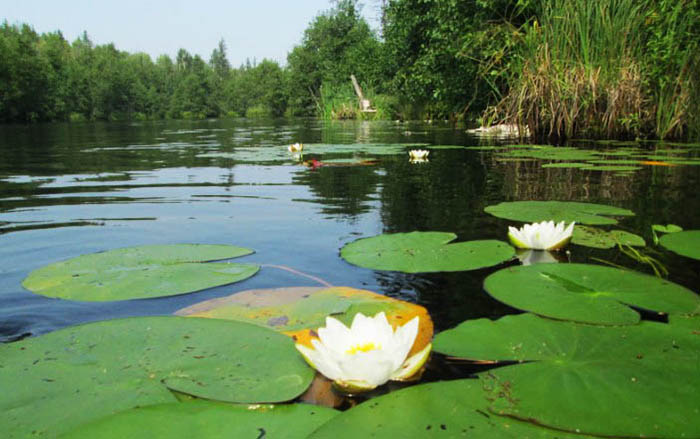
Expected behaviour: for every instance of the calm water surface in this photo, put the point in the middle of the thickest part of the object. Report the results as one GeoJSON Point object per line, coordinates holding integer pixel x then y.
{"type": "Point", "coordinates": [71, 189]}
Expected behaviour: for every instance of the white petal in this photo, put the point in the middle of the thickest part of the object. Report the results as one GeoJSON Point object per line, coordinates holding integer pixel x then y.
{"type": "Point", "coordinates": [335, 335]}
{"type": "Point", "coordinates": [374, 367]}
{"type": "Point", "coordinates": [326, 361]}
{"type": "Point", "coordinates": [404, 338]}
{"type": "Point", "coordinates": [319, 361]}
{"type": "Point", "coordinates": [412, 365]}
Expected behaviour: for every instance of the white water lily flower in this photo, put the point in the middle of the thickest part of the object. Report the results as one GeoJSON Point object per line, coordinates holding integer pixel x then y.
{"type": "Point", "coordinates": [366, 355]}
{"type": "Point", "coordinates": [541, 236]}
{"type": "Point", "coordinates": [297, 147]}
{"type": "Point", "coordinates": [418, 155]}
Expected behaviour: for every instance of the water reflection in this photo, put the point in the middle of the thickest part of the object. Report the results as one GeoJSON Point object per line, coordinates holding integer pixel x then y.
{"type": "Point", "coordinates": [70, 189]}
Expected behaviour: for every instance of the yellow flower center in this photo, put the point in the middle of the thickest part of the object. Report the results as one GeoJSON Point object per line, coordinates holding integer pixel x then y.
{"type": "Point", "coordinates": [362, 348]}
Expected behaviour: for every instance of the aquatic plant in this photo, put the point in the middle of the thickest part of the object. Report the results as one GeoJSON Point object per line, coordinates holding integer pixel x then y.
{"type": "Point", "coordinates": [544, 235]}
{"type": "Point", "coordinates": [367, 354]}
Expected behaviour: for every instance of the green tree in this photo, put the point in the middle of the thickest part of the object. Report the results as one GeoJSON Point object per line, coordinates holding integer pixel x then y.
{"type": "Point", "coordinates": [24, 75]}
{"type": "Point", "coordinates": [336, 44]}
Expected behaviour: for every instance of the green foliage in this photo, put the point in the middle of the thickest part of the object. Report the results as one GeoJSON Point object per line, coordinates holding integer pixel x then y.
{"type": "Point", "coordinates": [336, 44]}
{"type": "Point", "coordinates": [611, 68]}
{"type": "Point", "coordinates": [444, 55]}
{"type": "Point", "coordinates": [42, 77]}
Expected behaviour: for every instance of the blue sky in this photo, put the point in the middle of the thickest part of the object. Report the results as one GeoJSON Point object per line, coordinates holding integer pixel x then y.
{"type": "Point", "coordinates": [251, 28]}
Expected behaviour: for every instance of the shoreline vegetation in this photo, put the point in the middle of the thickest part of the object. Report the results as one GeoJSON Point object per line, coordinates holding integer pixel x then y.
{"type": "Point", "coordinates": [562, 68]}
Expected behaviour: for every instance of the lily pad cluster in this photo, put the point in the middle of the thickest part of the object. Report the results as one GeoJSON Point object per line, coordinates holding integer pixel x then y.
{"type": "Point", "coordinates": [359, 152]}
{"type": "Point", "coordinates": [568, 211]}
{"type": "Point", "coordinates": [623, 161]}
{"type": "Point", "coordinates": [580, 363]}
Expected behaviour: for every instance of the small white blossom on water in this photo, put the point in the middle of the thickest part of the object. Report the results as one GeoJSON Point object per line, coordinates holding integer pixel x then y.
{"type": "Point", "coordinates": [541, 236]}
{"type": "Point", "coordinates": [296, 147]}
{"type": "Point", "coordinates": [418, 155]}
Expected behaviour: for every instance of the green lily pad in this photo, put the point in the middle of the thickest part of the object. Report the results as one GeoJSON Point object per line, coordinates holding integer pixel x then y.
{"type": "Point", "coordinates": [588, 293]}
{"type": "Point", "coordinates": [550, 153]}
{"type": "Point", "coordinates": [564, 165]}
{"type": "Point", "coordinates": [598, 238]}
{"type": "Point", "coordinates": [614, 168]}
{"type": "Point", "coordinates": [59, 381]}
{"type": "Point", "coordinates": [660, 228]}
{"type": "Point", "coordinates": [300, 311]}
{"type": "Point", "coordinates": [685, 243]}
{"type": "Point", "coordinates": [536, 211]}
{"type": "Point", "coordinates": [443, 409]}
{"type": "Point", "coordinates": [669, 228]}
{"type": "Point", "coordinates": [140, 272]}
{"type": "Point", "coordinates": [614, 162]}
{"type": "Point", "coordinates": [628, 381]}
{"type": "Point", "coordinates": [198, 419]}
{"type": "Point", "coordinates": [421, 252]}
{"type": "Point", "coordinates": [690, 323]}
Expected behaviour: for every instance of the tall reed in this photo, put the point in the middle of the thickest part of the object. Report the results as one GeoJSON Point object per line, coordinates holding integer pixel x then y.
{"type": "Point", "coordinates": [582, 69]}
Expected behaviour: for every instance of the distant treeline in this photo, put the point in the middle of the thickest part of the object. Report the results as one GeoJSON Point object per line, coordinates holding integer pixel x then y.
{"type": "Point", "coordinates": [607, 68]}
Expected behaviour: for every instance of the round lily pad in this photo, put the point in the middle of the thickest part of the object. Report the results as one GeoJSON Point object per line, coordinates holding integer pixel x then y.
{"type": "Point", "coordinates": [536, 211]}
{"type": "Point", "coordinates": [598, 238]}
{"type": "Point", "coordinates": [61, 380]}
{"type": "Point", "coordinates": [140, 272]}
{"type": "Point", "coordinates": [588, 293]}
{"type": "Point", "coordinates": [685, 243]}
{"type": "Point", "coordinates": [443, 409]}
{"type": "Point", "coordinates": [300, 311]}
{"type": "Point", "coordinates": [626, 381]}
{"type": "Point", "coordinates": [421, 252]}
{"type": "Point", "coordinates": [207, 419]}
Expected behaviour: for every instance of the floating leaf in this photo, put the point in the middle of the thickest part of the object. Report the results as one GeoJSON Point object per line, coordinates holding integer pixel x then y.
{"type": "Point", "coordinates": [443, 409]}
{"type": "Point", "coordinates": [564, 165]}
{"type": "Point", "coordinates": [299, 311]}
{"type": "Point", "coordinates": [56, 382]}
{"type": "Point", "coordinates": [615, 168]}
{"type": "Point", "coordinates": [588, 293]}
{"type": "Point", "coordinates": [660, 228]}
{"type": "Point", "coordinates": [140, 272]}
{"type": "Point", "coordinates": [685, 243]}
{"type": "Point", "coordinates": [421, 252]}
{"type": "Point", "coordinates": [628, 381]}
{"type": "Point", "coordinates": [546, 152]}
{"type": "Point", "coordinates": [536, 211]}
{"type": "Point", "coordinates": [598, 238]}
{"type": "Point", "coordinates": [691, 323]}
{"type": "Point", "coordinates": [669, 228]}
{"type": "Point", "coordinates": [198, 419]}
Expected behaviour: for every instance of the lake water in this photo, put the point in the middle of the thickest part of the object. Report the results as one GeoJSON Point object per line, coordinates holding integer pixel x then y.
{"type": "Point", "coordinates": [72, 189]}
